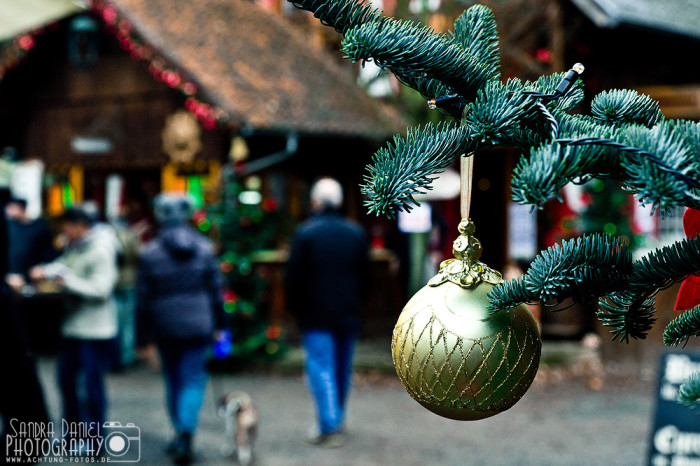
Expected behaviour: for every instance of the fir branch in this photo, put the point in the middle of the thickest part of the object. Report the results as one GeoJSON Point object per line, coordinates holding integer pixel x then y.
{"type": "Point", "coordinates": [404, 45]}
{"type": "Point", "coordinates": [547, 84]}
{"type": "Point", "coordinates": [631, 310]}
{"type": "Point", "coordinates": [630, 313]}
{"type": "Point", "coordinates": [664, 171]}
{"type": "Point", "coordinates": [550, 167]}
{"type": "Point", "coordinates": [617, 107]}
{"type": "Point", "coordinates": [498, 110]}
{"type": "Point", "coordinates": [407, 168]}
{"type": "Point", "coordinates": [342, 15]}
{"type": "Point", "coordinates": [689, 131]}
{"type": "Point", "coordinates": [689, 391]}
{"type": "Point", "coordinates": [582, 269]}
{"type": "Point", "coordinates": [656, 164]}
{"type": "Point", "coordinates": [427, 87]}
{"type": "Point", "coordinates": [680, 329]}
{"type": "Point", "coordinates": [666, 266]}
{"type": "Point", "coordinates": [475, 30]}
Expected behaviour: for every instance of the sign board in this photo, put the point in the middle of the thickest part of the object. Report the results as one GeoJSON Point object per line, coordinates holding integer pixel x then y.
{"type": "Point", "coordinates": [418, 220]}
{"type": "Point", "coordinates": [675, 434]}
{"type": "Point", "coordinates": [522, 232]}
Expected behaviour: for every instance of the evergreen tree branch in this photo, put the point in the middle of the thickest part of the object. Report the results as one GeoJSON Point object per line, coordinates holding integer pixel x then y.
{"type": "Point", "coordinates": [630, 313]}
{"type": "Point", "coordinates": [547, 85]}
{"type": "Point", "coordinates": [581, 269]}
{"type": "Point", "coordinates": [625, 106]}
{"type": "Point", "coordinates": [342, 15]}
{"type": "Point", "coordinates": [404, 45]}
{"type": "Point", "coordinates": [689, 391]}
{"type": "Point", "coordinates": [680, 329]}
{"type": "Point", "coordinates": [407, 167]}
{"type": "Point", "coordinates": [498, 110]}
{"type": "Point", "coordinates": [663, 267]}
{"type": "Point", "coordinates": [656, 164]}
{"type": "Point", "coordinates": [475, 30]}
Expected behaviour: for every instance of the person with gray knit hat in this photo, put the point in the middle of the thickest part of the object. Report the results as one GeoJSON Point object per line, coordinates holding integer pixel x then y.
{"type": "Point", "coordinates": [179, 308]}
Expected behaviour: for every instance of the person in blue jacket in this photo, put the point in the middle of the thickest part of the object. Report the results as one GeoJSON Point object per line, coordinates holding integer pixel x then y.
{"type": "Point", "coordinates": [326, 282]}
{"type": "Point", "coordinates": [180, 308]}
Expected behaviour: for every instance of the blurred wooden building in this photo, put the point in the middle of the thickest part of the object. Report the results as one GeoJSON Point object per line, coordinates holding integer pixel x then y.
{"type": "Point", "coordinates": [142, 96]}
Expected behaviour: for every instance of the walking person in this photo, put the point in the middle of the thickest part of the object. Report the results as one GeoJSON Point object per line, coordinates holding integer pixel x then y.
{"type": "Point", "coordinates": [86, 272]}
{"type": "Point", "coordinates": [179, 307]}
{"type": "Point", "coordinates": [326, 281]}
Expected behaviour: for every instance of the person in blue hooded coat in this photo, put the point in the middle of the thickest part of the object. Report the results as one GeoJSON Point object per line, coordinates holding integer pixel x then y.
{"type": "Point", "coordinates": [180, 308]}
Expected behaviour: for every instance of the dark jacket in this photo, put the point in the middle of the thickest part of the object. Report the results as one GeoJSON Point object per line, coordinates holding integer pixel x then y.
{"type": "Point", "coordinates": [30, 244]}
{"type": "Point", "coordinates": [179, 288]}
{"type": "Point", "coordinates": [327, 274]}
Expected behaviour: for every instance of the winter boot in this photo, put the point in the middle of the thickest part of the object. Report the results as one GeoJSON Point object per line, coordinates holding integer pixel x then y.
{"type": "Point", "coordinates": [182, 453]}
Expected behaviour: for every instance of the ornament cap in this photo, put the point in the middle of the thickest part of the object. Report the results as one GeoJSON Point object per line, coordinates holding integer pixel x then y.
{"type": "Point", "coordinates": [465, 269]}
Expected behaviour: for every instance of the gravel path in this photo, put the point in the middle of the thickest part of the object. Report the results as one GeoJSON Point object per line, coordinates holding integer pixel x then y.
{"type": "Point", "coordinates": [556, 423]}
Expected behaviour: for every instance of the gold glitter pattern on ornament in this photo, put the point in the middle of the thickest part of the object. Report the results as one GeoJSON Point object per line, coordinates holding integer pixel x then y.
{"type": "Point", "coordinates": [477, 377]}
{"type": "Point", "coordinates": [465, 269]}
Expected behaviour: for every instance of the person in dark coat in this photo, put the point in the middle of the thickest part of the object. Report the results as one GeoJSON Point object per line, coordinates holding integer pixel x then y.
{"type": "Point", "coordinates": [326, 282]}
{"type": "Point", "coordinates": [30, 239]}
{"type": "Point", "coordinates": [179, 307]}
{"type": "Point", "coordinates": [22, 396]}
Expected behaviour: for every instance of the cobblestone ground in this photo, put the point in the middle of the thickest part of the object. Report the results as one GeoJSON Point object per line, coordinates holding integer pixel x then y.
{"type": "Point", "coordinates": [560, 422]}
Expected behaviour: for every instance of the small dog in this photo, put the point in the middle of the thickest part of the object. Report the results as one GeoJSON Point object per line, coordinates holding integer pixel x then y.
{"type": "Point", "coordinates": [241, 419]}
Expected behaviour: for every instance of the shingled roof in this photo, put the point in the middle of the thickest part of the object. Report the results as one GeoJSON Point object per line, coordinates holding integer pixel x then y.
{"type": "Point", "coordinates": [675, 16]}
{"type": "Point", "coordinates": [259, 67]}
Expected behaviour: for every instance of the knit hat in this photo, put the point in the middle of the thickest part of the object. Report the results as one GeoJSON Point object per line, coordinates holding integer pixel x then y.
{"type": "Point", "coordinates": [172, 209]}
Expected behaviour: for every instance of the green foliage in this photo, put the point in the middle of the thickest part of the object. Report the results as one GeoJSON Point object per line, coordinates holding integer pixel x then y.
{"type": "Point", "coordinates": [617, 107]}
{"type": "Point", "coordinates": [689, 391]}
{"type": "Point", "coordinates": [625, 139]}
{"type": "Point", "coordinates": [409, 48]}
{"type": "Point", "coordinates": [475, 30]}
{"type": "Point", "coordinates": [680, 329]}
{"type": "Point", "coordinates": [581, 269]}
{"type": "Point", "coordinates": [657, 164]}
{"type": "Point", "coordinates": [244, 230]}
{"type": "Point", "coordinates": [340, 15]}
{"type": "Point", "coordinates": [497, 110]}
{"type": "Point", "coordinates": [412, 161]}
{"type": "Point", "coordinates": [629, 313]}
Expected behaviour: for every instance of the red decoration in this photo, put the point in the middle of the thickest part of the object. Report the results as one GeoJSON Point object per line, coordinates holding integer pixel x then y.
{"type": "Point", "coordinates": [161, 69]}
{"type": "Point", "coordinates": [230, 296]}
{"type": "Point", "coordinates": [26, 42]}
{"type": "Point", "coordinates": [543, 55]}
{"type": "Point", "coordinates": [270, 204]}
{"type": "Point", "coordinates": [689, 294]}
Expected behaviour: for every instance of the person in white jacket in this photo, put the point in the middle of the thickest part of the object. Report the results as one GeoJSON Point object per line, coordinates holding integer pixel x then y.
{"type": "Point", "coordinates": [87, 273]}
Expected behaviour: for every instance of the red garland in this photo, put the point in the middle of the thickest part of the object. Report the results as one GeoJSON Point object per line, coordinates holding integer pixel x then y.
{"type": "Point", "coordinates": [208, 115]}
{"type": "Point", "coordinates": [13, 54]}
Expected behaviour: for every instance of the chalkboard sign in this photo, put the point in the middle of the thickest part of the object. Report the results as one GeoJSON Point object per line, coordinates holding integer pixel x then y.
{"type": "Point", "coordinates": [675, 435]}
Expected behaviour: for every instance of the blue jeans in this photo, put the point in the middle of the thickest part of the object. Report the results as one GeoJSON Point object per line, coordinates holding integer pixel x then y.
{"type": "Point", "coordinates": [329, 370]}
{"type": "Point", "coordinates": [81, 368]}
{"type": "Point", "coordinates": [126, 305]}
{"type": "Point", "coordinates": [184, 365]}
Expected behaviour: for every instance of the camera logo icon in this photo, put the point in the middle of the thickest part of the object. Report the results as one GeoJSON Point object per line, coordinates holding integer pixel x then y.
{"type": "Point", "coordinates": [122, 444]}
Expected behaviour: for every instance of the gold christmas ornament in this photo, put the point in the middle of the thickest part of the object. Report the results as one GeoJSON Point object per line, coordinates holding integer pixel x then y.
{"type": "Point", "coordinates": [452, 354]}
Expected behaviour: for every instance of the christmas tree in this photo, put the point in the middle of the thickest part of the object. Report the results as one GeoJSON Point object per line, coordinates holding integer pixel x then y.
{"type": "Point", "coordinates": [245, 223]}
{"type": "Point", "coordinates": [625, 138]}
